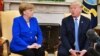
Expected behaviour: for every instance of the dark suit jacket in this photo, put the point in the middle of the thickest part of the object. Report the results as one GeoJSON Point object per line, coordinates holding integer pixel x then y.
{"type": "Point", "coordinates": [68, 35]}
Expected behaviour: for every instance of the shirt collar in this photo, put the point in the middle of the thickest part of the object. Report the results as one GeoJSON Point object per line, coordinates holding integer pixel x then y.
{"type": "Point", "coordinates": [78, 18]}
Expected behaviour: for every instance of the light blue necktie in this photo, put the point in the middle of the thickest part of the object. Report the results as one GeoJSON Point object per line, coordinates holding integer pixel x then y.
{"type": "Point", "coordinates": [76, 34]}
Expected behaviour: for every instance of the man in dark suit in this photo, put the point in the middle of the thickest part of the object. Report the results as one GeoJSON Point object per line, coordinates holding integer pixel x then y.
{"type": "Point", "coordinates": [73, 32]}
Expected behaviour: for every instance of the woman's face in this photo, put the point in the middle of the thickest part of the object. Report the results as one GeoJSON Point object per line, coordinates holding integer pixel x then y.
{"type": "Point", "coordinates": [28, 13]}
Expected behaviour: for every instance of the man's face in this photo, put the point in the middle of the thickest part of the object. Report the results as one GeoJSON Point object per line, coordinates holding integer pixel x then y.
{"type": "Point", "coordinates": [75, 10]}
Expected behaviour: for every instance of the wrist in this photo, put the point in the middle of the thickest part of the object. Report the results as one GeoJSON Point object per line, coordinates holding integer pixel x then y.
{"type": "Point", "coordinates": [28, 46]}
{"type": "Point", "coordinates": [84, 51]}
{"type": "Point", "coordinates": [39, 45]}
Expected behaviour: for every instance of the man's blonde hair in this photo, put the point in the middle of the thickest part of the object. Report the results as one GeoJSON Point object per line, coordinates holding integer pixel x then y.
{"type": "Point", "coordinates": [77, 3]}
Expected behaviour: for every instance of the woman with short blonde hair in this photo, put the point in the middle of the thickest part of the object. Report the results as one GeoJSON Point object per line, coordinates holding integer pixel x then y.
{"type": "Point", "coordinates": [26, 33]}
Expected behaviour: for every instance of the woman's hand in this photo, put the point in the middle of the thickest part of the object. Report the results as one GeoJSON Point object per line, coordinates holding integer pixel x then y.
{"type": "Point", "coordinates": [29, 47]}
{"type": "Point", "coordinates": [35, 45]}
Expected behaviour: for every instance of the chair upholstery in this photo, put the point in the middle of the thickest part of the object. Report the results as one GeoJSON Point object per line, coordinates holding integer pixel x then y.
{"type": "Point", "coordinates": [6, 25]}
{"type": "Point", "coordinates": [55, 53]}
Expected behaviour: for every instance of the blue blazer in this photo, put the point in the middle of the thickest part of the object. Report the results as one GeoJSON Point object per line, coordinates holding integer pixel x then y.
{"type": "Point", "coordinates": [22, 35]}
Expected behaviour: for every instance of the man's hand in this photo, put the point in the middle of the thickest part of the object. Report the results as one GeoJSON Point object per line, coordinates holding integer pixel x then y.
{"type": "Point", "coordinates": [82, 53]}
{"type": "Point", "coordinates": [73, 52]}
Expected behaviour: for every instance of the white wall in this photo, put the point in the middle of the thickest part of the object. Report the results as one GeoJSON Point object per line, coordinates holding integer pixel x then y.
{"type": "Point", "coordinates": [46, 12]}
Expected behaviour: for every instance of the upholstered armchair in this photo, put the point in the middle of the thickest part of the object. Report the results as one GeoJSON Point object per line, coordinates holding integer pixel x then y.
{"type": "Point", "coordinates": [6, 25]}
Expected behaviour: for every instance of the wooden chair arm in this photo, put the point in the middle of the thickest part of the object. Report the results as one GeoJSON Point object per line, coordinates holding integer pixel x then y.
{"type": "Point", "coordinates": [6, 41]}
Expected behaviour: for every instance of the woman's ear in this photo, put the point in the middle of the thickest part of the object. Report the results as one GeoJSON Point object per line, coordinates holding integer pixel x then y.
{"type": "Point", "coordinates": [24, 12]}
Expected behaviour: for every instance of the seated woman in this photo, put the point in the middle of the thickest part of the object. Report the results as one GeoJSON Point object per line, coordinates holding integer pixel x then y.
{"type": "Point", "coordinates": [26, 33]}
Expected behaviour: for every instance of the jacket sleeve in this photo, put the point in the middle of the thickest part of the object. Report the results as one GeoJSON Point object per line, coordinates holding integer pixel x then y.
{"type": "Point", "coordinates": [64, 38]}
{"type": "Point", "coordinates": [16, 34]}
{"type": "Point", "coordinates": [98, 46]}
{"type": "Point", "coordinates": [39, 33]}
{"type": "Point", "coordinates": [87, 43]}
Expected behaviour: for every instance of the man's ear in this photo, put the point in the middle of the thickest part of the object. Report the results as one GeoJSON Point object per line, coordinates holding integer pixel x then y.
{"type": "Point", "coordinates": [81, 9]}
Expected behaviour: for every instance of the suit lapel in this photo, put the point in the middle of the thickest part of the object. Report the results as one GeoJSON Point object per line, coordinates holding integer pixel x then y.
{"type": "Point", "coordinates": [81, 25]}
{"type": "Point", "coordinates": [31, 24]}
{"type": "Point", "coordinates": [25, 23]}
{"type": "Point", "coordinates": [72, 26]}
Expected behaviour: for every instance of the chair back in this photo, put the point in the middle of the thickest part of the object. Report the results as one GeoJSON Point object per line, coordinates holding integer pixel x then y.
{"type": "Point", "coordinates": [6, 23]}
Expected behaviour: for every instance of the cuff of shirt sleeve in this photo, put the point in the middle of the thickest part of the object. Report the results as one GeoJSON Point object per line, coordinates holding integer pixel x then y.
{"type": "Point", "coordinates": [70, 50]}
{"type": "Point", "coordinates": [84, 50]}
{"type": "Point", "coordinates": [39, 45]}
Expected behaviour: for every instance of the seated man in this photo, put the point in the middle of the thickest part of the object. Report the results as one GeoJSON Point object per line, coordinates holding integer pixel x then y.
{"type": "Point", "coordinates": [73, 32]}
